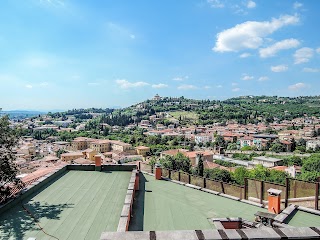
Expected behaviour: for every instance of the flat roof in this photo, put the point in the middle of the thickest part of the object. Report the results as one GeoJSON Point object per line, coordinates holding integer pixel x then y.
{"type": "Point", "coordinates": [303, 219]}
{"type": "Point", "coordinates": [267, 159]}
{"type": "Point", "coordinates": [78, 205]}
{"type": "Point", "coordinates": [163, 205]}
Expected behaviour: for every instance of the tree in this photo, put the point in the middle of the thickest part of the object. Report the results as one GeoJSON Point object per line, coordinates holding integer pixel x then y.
{"type": "Point", "coordinates": [292, 160]}
{"type": "Point", "coordinates": [276, 147]}
{"type": "Point", "coordinates": [219, 141]}
{"type": "Point", "coordinates": [8, 170]}
{"type": "Point", "coordinates": [240, 174]}
{"type": "Point", "coordinates": [218, 174]}
{"type": "Point", "coordinates": [312, 164]}
{"type": "Point", "coordinates": [200, 167]}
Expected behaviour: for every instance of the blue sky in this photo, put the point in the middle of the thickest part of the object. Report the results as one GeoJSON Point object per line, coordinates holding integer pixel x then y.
{"type": "Point", "coordinates": [63, 54]}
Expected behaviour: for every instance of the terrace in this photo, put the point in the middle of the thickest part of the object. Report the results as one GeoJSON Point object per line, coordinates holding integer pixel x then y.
{"type": "Point", "coordinates": [75, 205]}
{"type": "Point", "coordinates": [117, 202]}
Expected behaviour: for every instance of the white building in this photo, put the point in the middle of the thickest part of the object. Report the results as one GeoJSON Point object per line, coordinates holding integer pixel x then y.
{"type": "Point", "coordinates": [312, 144]}
{"type": "Point", "coordinates": [202, 138]}
{"type": "Point", "coordinates": [266, 161]}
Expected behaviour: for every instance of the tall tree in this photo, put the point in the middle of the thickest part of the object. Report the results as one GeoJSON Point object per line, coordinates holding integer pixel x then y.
{"type": "Point", "coordinates": [8, 169]}
{"type": "Point", "coordinates": [200, 165]}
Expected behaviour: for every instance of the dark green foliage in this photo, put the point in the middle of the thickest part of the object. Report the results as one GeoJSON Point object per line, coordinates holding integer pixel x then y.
{"type": "Point", "coordinates": [8, 170]}
{"type": "Point", "coordinates": [225, 164]}
{"type": "Point", "coordinates": [200, 167]}
{"type": "Point", "coordinates": [240, 174]}
{"type": "Point", "coordinates": [59, 152]}
{"type": "Point", "coordinates": [292, 160]}
{"type": "Point", "coordinates": [178, 162]}
{"type": "Point", "coordinates": [218, 174]}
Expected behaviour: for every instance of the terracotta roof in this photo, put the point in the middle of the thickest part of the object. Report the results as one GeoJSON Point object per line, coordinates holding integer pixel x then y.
{"type": "Point", "coordinates": [280, 168]}
{"type": "Point", "coordinates": [37, 174]}
{"type": "Point", "coordinates": [174, 151]}
{"type": "Point", "coordinates": [71, 154]}
{"type": "Point", "coordinates": [194, 154]}
{"type": "Point", "coordinates": [83, 161]}
{"type": "Point", "coordinates": [142, 147]}
{"type": "Point", "coordinates": [212, 165]}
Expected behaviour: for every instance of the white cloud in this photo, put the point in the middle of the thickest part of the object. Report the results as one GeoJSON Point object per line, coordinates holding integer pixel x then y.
{"type": "Point", "coordinates": [219, 86]}
{"type": "Point", "coordinates": [279, 68]}
{"type": "Point", "coordinates": [263, 78]}
{"type": "Point", "coordinates": [245, 55]}
{"type": "Point", "coordinates": [123, 83]}
{"type": "Point", "coordinates": [235, 89]}
{"type": "Point", "coordinates": [250, 35]}
{"type": "Point", "coordinates": [207, 87]}
{"type": "Point", "coordinates": [187, 87]}
{"type": "Point", "coordinates": [297, 86]}
{"type": "Point", "coordinates": [132, 36]}
{"type": "Point", "coordinates": [318, 50]}
{"type": "Point", "coordinates": [303, 55]}
{"type": "Point", "coordinates": [28, 86]}
{"type": "Point", "coordinates": [246, 77]}
{"type": "Point", "coordinates": [215, 3]}
{"type": "Point", "coordinates": [160, 85]}
{"type": "Point", "coordinates": [181, 78]}
{"type": "Point", "coordinates": [311, 70]}
{"type": "Point", "coordinates": [234, 84]}
{"type": "Point", "coordinates": [251, 4]}
{"type": "Point", "coordinates": [297, 5]}
{"type": "Point", "coordinates": [278, 46]}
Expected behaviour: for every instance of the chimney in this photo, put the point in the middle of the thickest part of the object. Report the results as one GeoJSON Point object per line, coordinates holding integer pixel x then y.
{"type": "Point", "coordinates": [274, 200]}
{"type": "Point", "coordinates": [158, 172]}
{"type": "Point", "coordinates": [97, 159]}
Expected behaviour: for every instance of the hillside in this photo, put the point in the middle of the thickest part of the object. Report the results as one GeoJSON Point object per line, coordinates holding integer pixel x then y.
{"type": "Point", "coordinates": [246, 109]}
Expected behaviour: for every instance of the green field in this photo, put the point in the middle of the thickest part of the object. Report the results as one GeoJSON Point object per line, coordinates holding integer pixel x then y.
{"type": "Point", "coordinates": [184, 114]}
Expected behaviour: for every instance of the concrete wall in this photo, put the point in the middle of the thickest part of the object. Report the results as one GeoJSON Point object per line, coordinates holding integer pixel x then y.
{"type": "Point", "coordinates": [109, 167]}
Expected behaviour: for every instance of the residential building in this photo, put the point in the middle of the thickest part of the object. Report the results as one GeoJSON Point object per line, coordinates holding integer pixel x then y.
{"type": "Point", "coordinates": [142, 150]}
{"type": "Point", "coordinates": [71, 156]}
{"type": "Point", "coordinates": [312, 144]}
{"type": "Point", "coordinates": [267, 161]}
{"type": "Point", "coordinates": [101, 146]}
{"type": "Point", "coordinates": [203, 138]}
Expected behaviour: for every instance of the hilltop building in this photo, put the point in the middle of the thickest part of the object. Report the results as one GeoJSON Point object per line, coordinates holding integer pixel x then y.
{"type": "Point", "coordinates": [156, 98]}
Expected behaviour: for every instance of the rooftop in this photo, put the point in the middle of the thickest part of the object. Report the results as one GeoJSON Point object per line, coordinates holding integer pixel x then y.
{"type": "Point", "coordinates": [78, 205]}
{"type": "Point", "coordinates": [266, 159]}
{"type": "Point", "coordinates": [74, 204]}
{"type": "Point", "coordinates": [163, 205]}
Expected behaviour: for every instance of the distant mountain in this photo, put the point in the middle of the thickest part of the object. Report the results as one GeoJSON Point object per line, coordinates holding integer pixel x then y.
{"type": "Point", "coordinates": [20, 114]}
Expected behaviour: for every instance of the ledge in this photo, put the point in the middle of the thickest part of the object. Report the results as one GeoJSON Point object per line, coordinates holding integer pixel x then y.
{"type": "Point", "coordinates": [229, 196]}
{"type": "Point", "coordinates": [210, 191]}
{"type": "Point", "coordinates": [235, 234]}
{"type": "Point", "coordinates": [252, 203]}
{"type": "Point", "coordinates": [309, 210]}
{"type": "Point", "coordinates": [193, 186]}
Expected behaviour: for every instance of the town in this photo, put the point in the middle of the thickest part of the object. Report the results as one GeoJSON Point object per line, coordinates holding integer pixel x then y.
{"type": "Point", "coordinates": [76, 137]}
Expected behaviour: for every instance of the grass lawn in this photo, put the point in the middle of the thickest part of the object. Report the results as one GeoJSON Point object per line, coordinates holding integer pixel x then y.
{"type": "Point", "coordinates": [184, 114]}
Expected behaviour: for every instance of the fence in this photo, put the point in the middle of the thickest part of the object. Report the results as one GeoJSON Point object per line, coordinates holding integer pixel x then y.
{"type": "Point", "coordinates": [295, 191]}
